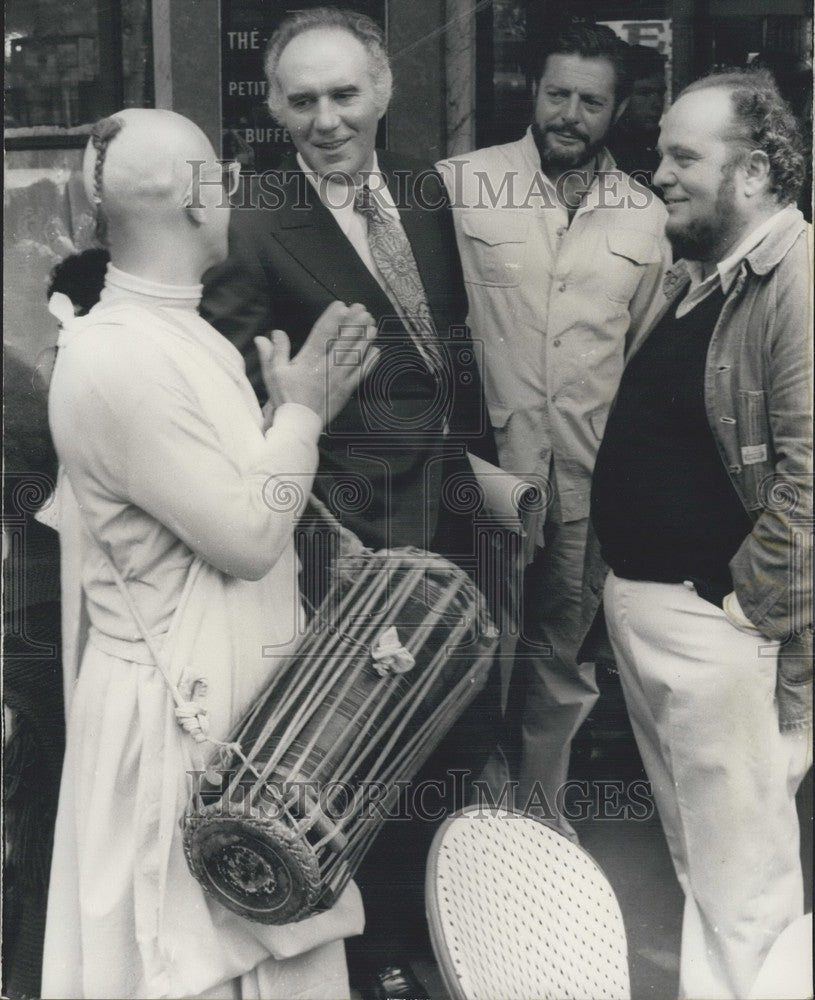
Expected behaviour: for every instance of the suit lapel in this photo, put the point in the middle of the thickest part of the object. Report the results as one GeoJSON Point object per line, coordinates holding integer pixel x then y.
{"type": "Point", "coordinates": [309, 232]}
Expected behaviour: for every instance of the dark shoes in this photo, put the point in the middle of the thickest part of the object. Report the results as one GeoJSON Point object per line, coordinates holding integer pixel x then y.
{"type": "Point", "coordinates": [394, 982]}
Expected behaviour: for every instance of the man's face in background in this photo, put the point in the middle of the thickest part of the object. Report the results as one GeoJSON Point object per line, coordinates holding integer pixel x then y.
{"type": "Point", "coordinates": [646, 103]}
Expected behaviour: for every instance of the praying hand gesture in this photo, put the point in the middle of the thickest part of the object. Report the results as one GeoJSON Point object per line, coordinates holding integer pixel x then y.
{"type": "Point", "coordinates": [326, 369]}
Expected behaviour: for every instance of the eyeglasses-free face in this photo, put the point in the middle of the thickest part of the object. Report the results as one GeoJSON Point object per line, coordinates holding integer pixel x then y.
{"type": "Point", "coordinates": [330, 107]}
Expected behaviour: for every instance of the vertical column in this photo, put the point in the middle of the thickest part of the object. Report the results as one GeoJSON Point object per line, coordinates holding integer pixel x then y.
{"type": "Point", "coordinates": [187, 61]}
{"type": "Point", "coordinates": [162, 55]}
{"type": "Point", "coordinates": [484, 71]}
{"type": "Point", "coordinates": [109, 22]}
{"type": "Point", "coordinates": [690, 42]}
{"type": "Point", "coordinates": [416, 122]}
{"type": "Point", "coordinates": [459, 69]}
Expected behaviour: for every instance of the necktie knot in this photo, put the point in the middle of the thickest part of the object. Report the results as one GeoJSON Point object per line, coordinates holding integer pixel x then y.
{"type": "Point", "coordinates": [365, 203]}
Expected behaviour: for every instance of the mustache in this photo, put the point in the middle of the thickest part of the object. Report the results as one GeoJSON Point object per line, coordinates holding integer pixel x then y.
{"type": "Point", "coordinates": [569, 133]}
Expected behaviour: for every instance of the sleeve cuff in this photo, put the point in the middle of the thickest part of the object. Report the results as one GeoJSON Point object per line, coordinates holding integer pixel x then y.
{"type": "Point", "coordinates": [733, 609]}
{"type": "Point", "coordinates": [298, 420]}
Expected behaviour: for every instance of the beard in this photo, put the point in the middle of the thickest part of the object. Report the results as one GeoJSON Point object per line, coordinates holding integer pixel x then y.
{"type": "Point", "coordinates": [563, 159]}
{"type": "Point", "coordinates": [703, 239]}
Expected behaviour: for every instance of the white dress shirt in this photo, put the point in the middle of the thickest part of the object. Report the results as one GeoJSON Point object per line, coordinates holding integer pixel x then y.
{"type": "Point", "coordinates": [338, 198]}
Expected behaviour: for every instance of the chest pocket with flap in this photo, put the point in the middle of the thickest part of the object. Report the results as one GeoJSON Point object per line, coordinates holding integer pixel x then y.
{"type": "Point", "coordinates": [493, 247]}
{"type": "Point", "coordinates": [629, 252]}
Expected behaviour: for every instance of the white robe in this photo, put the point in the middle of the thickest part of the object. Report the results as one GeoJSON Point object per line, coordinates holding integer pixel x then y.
{"type": "Point", "coordinates": [159, 433]}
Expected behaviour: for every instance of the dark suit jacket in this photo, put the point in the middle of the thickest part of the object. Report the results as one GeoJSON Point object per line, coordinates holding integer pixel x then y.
{"type": "Point", "coordinates": [386, 468]}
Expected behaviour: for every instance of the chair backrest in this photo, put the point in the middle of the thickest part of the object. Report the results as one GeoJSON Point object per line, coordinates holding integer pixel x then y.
{"type": "Point", "coordinates": [518, 912]}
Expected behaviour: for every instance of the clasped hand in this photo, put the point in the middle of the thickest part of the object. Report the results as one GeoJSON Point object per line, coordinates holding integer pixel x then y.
{"type": "Point", "coordinates": [326, 369]}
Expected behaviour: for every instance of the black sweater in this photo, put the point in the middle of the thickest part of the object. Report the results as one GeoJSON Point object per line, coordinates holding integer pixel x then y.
{"type": "Point", "coordinates": [663, 505]}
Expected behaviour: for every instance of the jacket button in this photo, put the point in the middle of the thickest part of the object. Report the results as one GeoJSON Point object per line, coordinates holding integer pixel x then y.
{"type": "Point", "coordinates": [562, 286]}
{"type": "Point", "coordinates": [556, 343]}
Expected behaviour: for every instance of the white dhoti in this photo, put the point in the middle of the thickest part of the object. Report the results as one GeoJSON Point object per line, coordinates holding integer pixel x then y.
{"type": "Point", "coordinates": [160, 434]}
{"type": "Point", "coordinates": [125, 917]}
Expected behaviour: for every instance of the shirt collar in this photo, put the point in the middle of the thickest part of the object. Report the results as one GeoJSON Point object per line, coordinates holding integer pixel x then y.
{"type": "Point", "coordinates": [175, 304]}
{"type": "Point", "coordinates": [727, 269]}
{"type": "Point", "coordinates": [119, 284]}
{"type": "Point", "coordinates": [338, 198]}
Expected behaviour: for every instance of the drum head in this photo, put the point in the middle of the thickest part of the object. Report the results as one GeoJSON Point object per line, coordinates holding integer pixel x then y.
{"type": "Point", "coordinates": [254, 867]}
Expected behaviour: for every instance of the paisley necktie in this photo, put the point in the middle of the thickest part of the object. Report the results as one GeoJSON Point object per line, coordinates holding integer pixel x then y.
{"type": "Point", "coordinates": [393, 256]}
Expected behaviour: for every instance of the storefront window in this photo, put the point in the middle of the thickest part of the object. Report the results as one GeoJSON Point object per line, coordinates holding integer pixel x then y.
{"type": "Point", "coordinates": [69, 63]}
{"type": "Point", "coordinates": [653, 34]}
{"type": "Point", "coordinates": [512, 87]}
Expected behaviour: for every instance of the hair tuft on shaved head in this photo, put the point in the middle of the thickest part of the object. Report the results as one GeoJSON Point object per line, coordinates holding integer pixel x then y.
{"type": "Point", "coordinates": [102, 133]}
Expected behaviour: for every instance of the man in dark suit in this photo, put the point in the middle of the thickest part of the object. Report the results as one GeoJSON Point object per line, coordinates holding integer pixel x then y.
{"type": "Point", "coordinates": [343, 221]}
{"type": "Point", "coordinates": [298, 243]}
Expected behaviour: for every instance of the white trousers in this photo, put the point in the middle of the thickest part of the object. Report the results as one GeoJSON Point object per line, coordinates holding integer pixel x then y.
{"type": "Point", "coordinates": [700, 694]}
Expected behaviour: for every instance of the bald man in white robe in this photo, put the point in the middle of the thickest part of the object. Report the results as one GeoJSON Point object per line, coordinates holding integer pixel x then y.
{"type": "Point", "coordinates": [167, 462]}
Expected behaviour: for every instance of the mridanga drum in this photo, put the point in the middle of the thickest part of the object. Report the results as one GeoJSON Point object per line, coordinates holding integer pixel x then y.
{"type": "Point", "coordinates": [398, 649]}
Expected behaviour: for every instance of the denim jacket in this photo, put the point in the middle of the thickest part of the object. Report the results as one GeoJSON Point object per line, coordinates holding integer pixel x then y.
{"type": "Point", "coordinates": [758, 397]}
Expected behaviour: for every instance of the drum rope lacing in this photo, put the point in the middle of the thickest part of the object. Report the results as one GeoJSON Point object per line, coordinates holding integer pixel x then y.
{"type": "Point", "coordinates": [387, 653]}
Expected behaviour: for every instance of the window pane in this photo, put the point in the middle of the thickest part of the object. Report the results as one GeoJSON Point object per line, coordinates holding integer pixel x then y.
{"type": "Point", "coordinates": [512, 90]}
{"type": "Point", "coordinates": [69, 63]}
